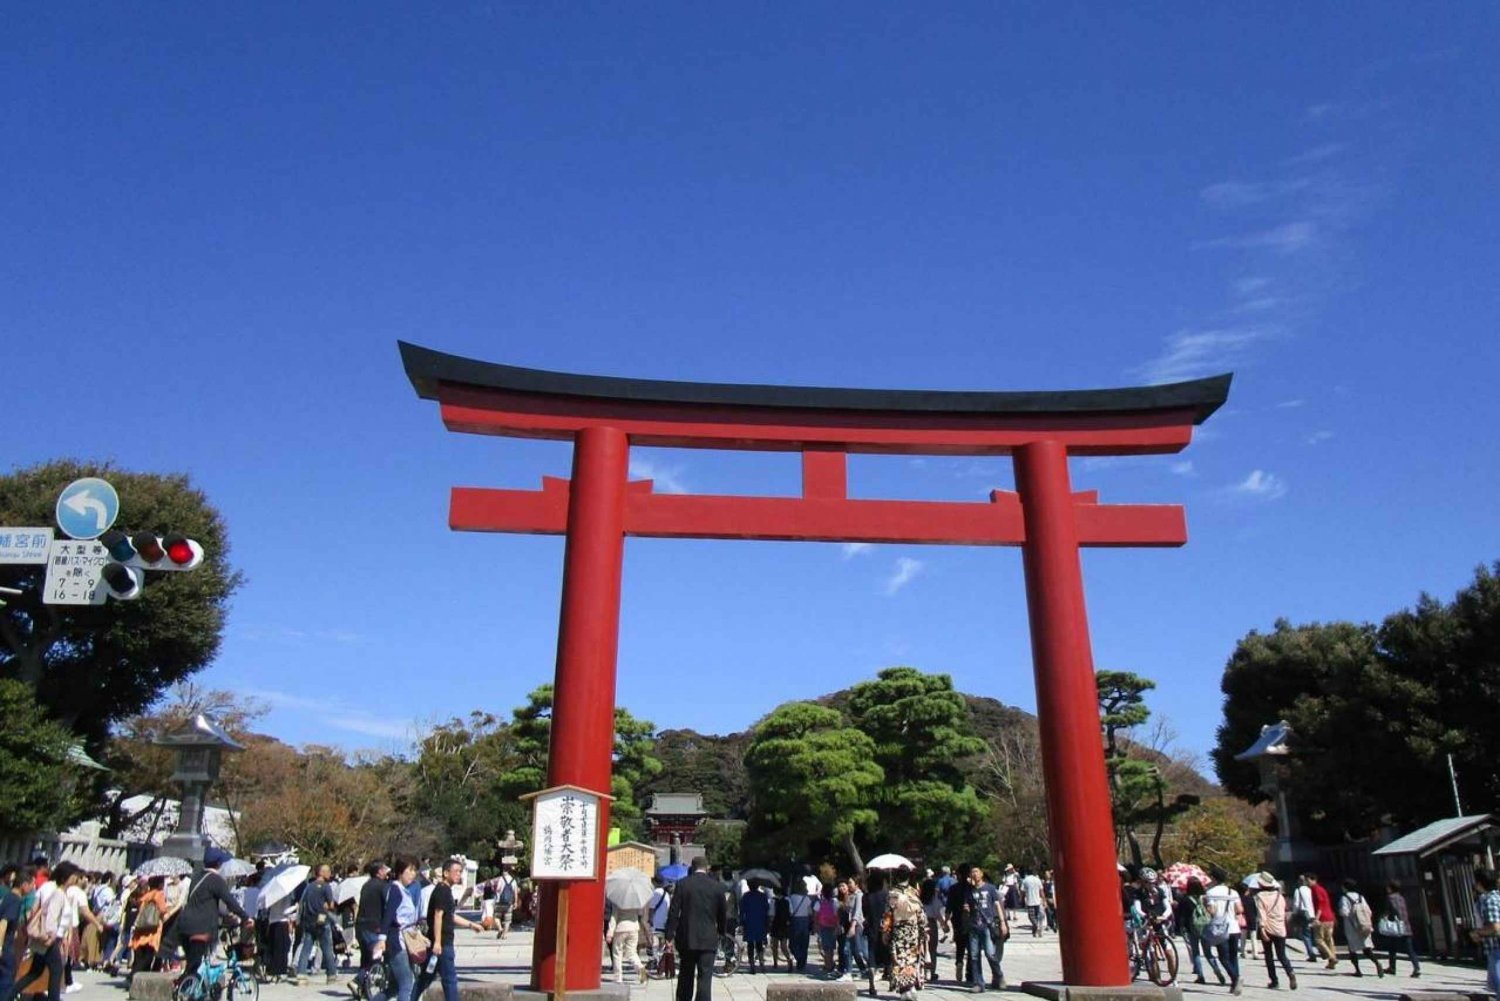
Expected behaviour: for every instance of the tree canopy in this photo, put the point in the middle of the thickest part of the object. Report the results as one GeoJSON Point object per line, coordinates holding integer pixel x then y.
{"type": "Point", "coordinates": [42, 786]}
{"type": "Point", "coordinates": [1423, 684]}
{"type": "Point", "coordinates": [92, 666]}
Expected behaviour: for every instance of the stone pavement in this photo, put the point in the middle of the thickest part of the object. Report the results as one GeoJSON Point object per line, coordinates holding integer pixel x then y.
{"type": "Point", "coordinates": [483, 958]}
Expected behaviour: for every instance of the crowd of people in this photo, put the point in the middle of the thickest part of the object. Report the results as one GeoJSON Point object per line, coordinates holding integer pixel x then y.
{"type": "Point", "coordinates": [403, 918]}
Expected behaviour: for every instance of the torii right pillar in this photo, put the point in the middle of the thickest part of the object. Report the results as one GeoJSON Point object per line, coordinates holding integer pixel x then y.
{"type": "Point", "coordinates": [1079, 814]}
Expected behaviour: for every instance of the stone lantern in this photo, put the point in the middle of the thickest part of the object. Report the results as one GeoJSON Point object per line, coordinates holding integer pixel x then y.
{"type": "Point", "coordinates": [1270, 753]}
{"type": "Point", "coordinates": [510, 848]}
{"type": "Point", "coordinates": [200, 744]}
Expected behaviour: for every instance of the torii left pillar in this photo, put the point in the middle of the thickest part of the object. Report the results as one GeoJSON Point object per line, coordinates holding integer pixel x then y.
{"type": "Point", "coordinates": [583, 708]}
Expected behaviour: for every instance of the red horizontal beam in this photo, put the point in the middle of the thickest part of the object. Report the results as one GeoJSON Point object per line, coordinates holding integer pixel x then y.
{"type": "Point", "coordinates": [684, 425]}
{"type": "Point", "coordinates": [815, 519]}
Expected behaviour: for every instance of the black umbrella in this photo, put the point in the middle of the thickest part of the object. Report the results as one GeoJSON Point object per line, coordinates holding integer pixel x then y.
{"type": "Point", "coordinates": [763, 876]}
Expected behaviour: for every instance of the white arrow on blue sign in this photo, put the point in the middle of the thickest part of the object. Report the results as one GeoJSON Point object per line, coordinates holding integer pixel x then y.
{"type": "Point", "coordinates": [87, 507]}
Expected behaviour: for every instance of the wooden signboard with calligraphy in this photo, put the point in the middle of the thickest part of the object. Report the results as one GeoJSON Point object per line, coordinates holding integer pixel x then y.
{"type": "Point", "coordinates": [565, 839]}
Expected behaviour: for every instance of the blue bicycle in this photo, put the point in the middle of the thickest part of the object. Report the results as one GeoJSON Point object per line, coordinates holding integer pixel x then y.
{"type": "Point", "coordinates": [218, 981]}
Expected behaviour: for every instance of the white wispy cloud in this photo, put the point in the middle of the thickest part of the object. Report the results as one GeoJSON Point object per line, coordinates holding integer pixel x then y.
{"type": "Point", "coordinates": [1317, 154]}
{"type": "Point", "coordinates": [1183, 467]}
{"type": "Point", "coordinates": [1260, 485]}
{"type": "Point", "coordinates": [1193, 353]}
{"type": "Point", "coordinates": [1286, 238]}
{"type": "Point", "coordinates": [906, 571]}
{"type": "Point", "coordinates": [1290, 404]}
{"type": "Point", "coordinates": [665, 479]}
{"type": "Point", "coordinates": [338, 714]}
{"type": "Point", "coordinates": [853, 549]}
{"type": "Point", "coordinates": [1239, 194]}
{"type": "Point", "coordinates": [289, 634]}
{"type": "Point", "coordinates": [1318, 437]}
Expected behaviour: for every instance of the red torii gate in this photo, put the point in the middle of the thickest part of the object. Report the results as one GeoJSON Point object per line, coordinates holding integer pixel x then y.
{"type": "Point", "coordinates": [599, 507]}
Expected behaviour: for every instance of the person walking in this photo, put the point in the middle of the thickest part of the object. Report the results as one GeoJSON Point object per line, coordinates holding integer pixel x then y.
{"type": "Point", "coordinates": [1359, 927]}
{"type": "Point", "coordinates": [370, 920]}
{"type": "Point", "coordinates": [826, 917]}
{"type": "Point", "coordinates": [146, 930]}
{"type": "Point", "coordinates": [1032, 896]}
{"type": "Point", "coordinates": [1486, 930]}
{"type": "Point", "coordinates": [658, 907]}
{"type": "Point", "coordinates": [875, 903]}
{"type": "Point", "coordinates": [988, 925]}
{"type": "Point", "coordinates": [908, 936]}
{"type": "Point", "coordinates": [755, 920]}
{"type": "Point", "coordinates": [1395, 927]}
{"type": "Point", "coordinates": [623, 934]}
{"type": "Point", "coordinates": [1322, 921]}
{"type": "Point", "coordinates": [859, 942]}
{"type": "Point", "coordinates": [958, 922]}
{"type": "Point", "coordinates": [800, 909]}
{"type": "Point", "coordinates": [1192, 922]}
{"type": "Point", "coordinates": [697, 918]}
{"type": "Point", "coordinates": [1270, 923]}
{"type": "Point", "coordinates": [44, 928]}
{"type": "Point", "coordinates": [16, 882]}
{"type": "Point", "coordinates": [402, 917]}
{"type": "Point", "coordinates": [934, 904]}
{"type": "Point", "coordinates": [507, 892]}
{"type": "Point", "coordinates": [198, 924]}
{"type": "Point", "coordinates": [1223, 932]}
{"type": "Point", "coordinates": [443, 920]}
{"type": "Point", "coordinates": [315, 916]}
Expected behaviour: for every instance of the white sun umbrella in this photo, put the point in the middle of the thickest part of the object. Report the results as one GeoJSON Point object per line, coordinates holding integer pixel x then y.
{"type": "Point", "coordinates": [890, 860]}
{"type": "Point", "coordinates": [163, 865]}
{"type": "Point", "coordinates": [427, 895]}
{"type": "Point", "coordinates": [281, 881]}
{"type": "Point", "coordinates": [349, 888]}
{"type": "Point", "coordinates": [235, 868]}
{"type": "Point", "coordinates": [628, 888]}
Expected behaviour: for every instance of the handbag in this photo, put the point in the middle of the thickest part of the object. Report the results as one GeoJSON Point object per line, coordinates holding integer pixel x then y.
{"type": "Point", "coordinates": [416, 944]}
{"type": "Point", "coordinates": [1392, 926]}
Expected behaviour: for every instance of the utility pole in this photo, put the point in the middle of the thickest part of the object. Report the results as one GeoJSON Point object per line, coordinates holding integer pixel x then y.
{"type": "Point", "coordinates": [1458, 806]}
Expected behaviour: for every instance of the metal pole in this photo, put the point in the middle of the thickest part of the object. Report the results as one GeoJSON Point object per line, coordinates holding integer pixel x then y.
{"type": "Point", "coordinates": [1458, 805]}
{"type": "Point", "coordinates": [1079, 816]}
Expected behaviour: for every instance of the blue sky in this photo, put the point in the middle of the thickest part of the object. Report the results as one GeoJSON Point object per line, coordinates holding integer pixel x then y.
{"type": "Point", "coordinates": [221, 220]}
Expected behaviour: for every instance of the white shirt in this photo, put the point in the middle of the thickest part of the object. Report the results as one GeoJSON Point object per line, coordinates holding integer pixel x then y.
{"type": "Point", "coordinates": [1032, 886]}
{"type": "Point", "coordinates": [53, 902]}
{"type": "Point", "coordinates": [1217, 899]}
{"type": "Point", "coordinates": [1302, 901]}
{"type": "Point", "coordinates": [76, 900]}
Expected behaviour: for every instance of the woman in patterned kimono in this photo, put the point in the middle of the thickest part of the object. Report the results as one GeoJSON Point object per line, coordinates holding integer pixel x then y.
{"type": "Point", "coordinates": [908, 940]}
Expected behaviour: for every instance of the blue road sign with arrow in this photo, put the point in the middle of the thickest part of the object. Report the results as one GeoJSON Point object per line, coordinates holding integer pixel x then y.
{"type": "Point", "coordinates": [87, 507]}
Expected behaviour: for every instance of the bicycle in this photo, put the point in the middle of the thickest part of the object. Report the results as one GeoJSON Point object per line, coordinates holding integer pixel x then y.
{"type": "Point", "coordinates": [727, 957]}
{"type": "Point", "coordinates": [213, 981]}
{"type": "Point", "coordinates": [663, 963]}
{"type": "Point", "coordinates": [1154, 951]}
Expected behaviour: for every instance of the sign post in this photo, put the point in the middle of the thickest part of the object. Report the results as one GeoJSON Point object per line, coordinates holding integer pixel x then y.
{"type": "Point", "coordinates": [565, 848]}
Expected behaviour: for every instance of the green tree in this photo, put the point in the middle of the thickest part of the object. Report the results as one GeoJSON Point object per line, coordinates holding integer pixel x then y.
{"type": "Point", "coordinates": [634, 760]}
{"type": "Point", "coordinates": [812, 777]}
{"type": "Point", "coordinates": [723, 842]}
{"type": "Point", "coordinates": [923, 735]}
{"type": "Point", "coordinates": [91, 666]}
{"type": "Point", "coordinates": [704, 763]}
{"type": "Point", "coordinates": [1139, 787]}
{"type": "Point", "coordinates": [1220, 831]}
{"type": "Point", "coordinates": [41, 783]}
{"type": "Point", "coordinates": [462, 784]}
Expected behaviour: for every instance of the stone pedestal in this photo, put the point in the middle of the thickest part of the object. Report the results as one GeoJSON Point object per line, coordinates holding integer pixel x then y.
{"type": "Point", "coordinates": [1129, 992]}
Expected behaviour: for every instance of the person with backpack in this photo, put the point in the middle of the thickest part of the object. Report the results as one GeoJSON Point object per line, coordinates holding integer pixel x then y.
{"type": "Point", "coordinates": [658, 908]}
{"type": "Point", "coordinates": [1223, 904]}
{"type": "Point", "coordinates": [1192, 922]}
{"type": "Point", "coordinates": [44, 932]}
{"type": "Point", "coordinates": [826, 916]}
{"type": "Point", "coordinates": [1271, 926]}
{"type": "Point", "coordinates": [1359, 924]}
{"type": "Point", "coordinates": [150, 919]}
{"type": "Point", "coordinates": [506, 894]}
{"type": "Point", "coordinates": [198, 924]}
{"type": "Point", "coordinates": [15, 884]}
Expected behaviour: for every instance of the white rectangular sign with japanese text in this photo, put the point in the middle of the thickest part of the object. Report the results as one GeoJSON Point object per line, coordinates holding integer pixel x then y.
{"type": "Point", "coordinates": [565, 835]}
{"type": "Point", "coordinates": [24, 545]}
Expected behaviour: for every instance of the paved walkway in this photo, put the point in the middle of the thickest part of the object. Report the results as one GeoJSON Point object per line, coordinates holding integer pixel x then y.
{"type": "Point", "coordinates": [481, 957]}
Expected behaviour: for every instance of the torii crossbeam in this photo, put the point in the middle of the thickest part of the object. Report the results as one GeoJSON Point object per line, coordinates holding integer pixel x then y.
{"type": "Point", "coordinates": [599, 507]}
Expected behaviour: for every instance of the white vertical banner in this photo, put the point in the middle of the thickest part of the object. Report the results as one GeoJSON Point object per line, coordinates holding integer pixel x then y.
{"type": "Point", "coordinates": [565, 834]}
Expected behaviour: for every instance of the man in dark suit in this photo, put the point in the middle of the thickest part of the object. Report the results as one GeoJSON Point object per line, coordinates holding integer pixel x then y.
{"type": "Point", "coordinates": [694, 923]}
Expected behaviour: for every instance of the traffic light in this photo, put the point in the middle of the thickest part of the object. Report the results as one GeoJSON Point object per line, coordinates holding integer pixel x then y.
{"type": "Point", "coordinates": [131, 555]}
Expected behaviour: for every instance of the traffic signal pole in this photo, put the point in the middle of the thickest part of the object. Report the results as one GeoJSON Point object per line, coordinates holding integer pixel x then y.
{"type": "Point", "coordinates": [1079, 818]}
{"type": "Point", "coordinates": [583, 707]}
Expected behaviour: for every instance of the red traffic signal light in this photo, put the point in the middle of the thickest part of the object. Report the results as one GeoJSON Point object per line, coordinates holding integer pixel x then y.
{"type": "Point", "coordinates": [150, 552]}
{"type": "Point", "coordinates": [181, 550]}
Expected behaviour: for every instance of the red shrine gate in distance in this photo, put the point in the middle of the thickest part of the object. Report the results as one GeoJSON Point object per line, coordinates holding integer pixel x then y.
{"type": "Point", "coordinates": [599, 507]}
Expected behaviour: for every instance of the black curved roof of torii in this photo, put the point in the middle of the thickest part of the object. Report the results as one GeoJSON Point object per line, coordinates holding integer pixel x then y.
{"type": "Point", "coordinates": [427, 368]}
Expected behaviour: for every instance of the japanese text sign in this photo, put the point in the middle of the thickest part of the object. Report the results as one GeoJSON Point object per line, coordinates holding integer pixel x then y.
{"type": "Point", "coordinates": [565, 834]}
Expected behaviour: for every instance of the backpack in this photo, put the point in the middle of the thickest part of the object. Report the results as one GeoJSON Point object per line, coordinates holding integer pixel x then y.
{"type": "Point", "coordinates": [1198, 918]}
{"type": "Point", "coordinates": [149, 919]}
{"type": "Point", "coordinates": [507, 897]}
{"type": "Point", "coordinates": [1218, 929]}
{"type": "Point", "coordinates": [1360, 911]}
{"type": "Point", "coordinates": [39, 937]}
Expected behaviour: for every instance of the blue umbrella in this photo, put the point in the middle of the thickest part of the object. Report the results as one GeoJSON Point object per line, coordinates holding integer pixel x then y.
{"type": "Point", "coordinates": [673, 873]}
